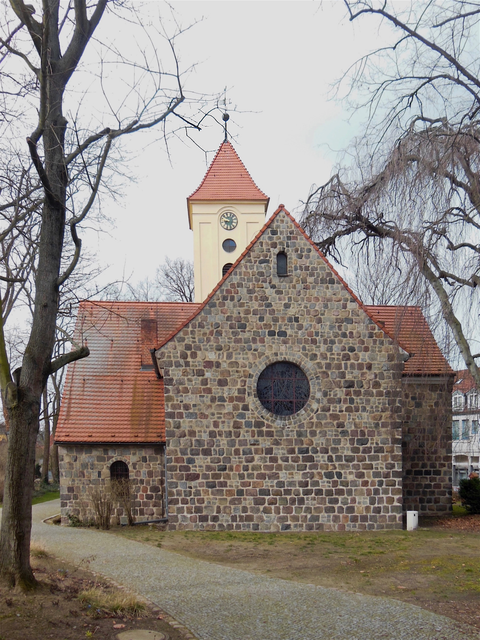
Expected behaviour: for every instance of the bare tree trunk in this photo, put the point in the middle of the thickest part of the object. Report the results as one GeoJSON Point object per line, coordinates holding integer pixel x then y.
{"type": "Point", "coordinates": [54, 464]}
{"type": "Point", "coordinates": [51, 60]}
{"type": "Point", "coordinates": [17, 500]}
{"type": "Point", "coordinates": [24, 410]}
{"type": "Point", "coordinates": [56, 410]}
{"type": "Point", "coordinates": [46, 437]}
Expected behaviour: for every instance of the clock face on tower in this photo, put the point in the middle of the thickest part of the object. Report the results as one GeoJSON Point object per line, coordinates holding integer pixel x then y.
{"type": "Point", "coordinates": [228, 220]}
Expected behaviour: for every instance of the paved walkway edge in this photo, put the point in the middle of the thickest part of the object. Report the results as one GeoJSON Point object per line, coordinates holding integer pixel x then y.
{"type": "Point", "coordinates": [209, 601]}
{"type": "Point", "coordinates": [166, 617]}
{"type": "Point", "coordinates": [178, 626]}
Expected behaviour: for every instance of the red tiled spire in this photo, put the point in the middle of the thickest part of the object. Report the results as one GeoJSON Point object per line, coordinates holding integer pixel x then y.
{"type": "Point", "coordinates": [227, 179]}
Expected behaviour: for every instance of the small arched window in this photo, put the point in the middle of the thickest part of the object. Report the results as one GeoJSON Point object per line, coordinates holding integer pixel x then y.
{"type": "Point", "coordinates": [282, 264]}
{"type": "Point", "coordinates": [119, 470]}
{"type": "Point", "coordinates": [226, 268]}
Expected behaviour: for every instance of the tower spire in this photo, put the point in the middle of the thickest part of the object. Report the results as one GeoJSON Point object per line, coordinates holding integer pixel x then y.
{"type": "Point", "coordinates": [225, 213]}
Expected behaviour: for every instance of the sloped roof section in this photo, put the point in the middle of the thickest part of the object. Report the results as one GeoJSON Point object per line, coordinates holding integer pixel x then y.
{"type": "Point", "coordinates": [227, 179]}
{"type": "Point", "coordinates": [464, 381]}
{"type": "Point", "coordinates": [114, 395]}
{"type": "Point", "coordinates": [409, 328]}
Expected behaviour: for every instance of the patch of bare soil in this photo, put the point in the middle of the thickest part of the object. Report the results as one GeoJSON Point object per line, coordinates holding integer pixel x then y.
{"type": "Point", "coordinates": [54, 611]}
{"type": "Point", "coordinates": [463, 523]}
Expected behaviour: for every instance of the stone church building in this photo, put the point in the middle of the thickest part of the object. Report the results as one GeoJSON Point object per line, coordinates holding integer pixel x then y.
{"type": "Point", "coordinates": [277, 401]}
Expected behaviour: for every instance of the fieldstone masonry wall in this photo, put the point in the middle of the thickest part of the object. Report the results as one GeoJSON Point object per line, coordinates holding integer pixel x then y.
{"type": "Point", "coordinates": [83, 468]}
{"type": "Point", "coordinates": [335, 465]}
{"type": "Point", "coordinates": [427, 446]}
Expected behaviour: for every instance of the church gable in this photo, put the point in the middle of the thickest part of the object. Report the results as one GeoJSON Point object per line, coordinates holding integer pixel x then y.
{"type": "Point", "coordinates": [238, 463]}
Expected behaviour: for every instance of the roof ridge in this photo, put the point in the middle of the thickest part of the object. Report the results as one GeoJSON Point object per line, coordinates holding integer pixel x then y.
{"type": "Point", "coordinates": [99, 303]}
{"type": "Point", "coordinates": [281, 207]}
{"type": "Point", "coordinates": [350, 291]}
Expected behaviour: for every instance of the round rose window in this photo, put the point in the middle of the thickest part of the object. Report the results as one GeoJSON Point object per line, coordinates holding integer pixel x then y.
{"type": "Point", "coordinates": [283, 388]}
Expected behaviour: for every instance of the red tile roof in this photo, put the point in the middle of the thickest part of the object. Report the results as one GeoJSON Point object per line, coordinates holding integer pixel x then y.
{"type": "Point", "coordinates": [227, 180]}
{"type": "Point", "coordinates": [409, 328]}
{"type": "Point", "coordinates": [107, 396]}
{"type": "Point", "coordinates": [464, 381]}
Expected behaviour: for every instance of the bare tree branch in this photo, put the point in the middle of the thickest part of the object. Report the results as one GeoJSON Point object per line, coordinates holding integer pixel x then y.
{"type": "Point", "coordinates": [414, 186]}
{"type": "Point", "coordinates": [62, 361]}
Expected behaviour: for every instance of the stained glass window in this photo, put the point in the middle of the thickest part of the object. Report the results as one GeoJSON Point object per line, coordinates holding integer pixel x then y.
{"type": "Point", "coordinates": [283, 388]}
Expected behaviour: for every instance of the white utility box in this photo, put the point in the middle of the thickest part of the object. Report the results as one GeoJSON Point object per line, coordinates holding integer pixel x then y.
{"type": "Point", "coordinates": [412, 520]}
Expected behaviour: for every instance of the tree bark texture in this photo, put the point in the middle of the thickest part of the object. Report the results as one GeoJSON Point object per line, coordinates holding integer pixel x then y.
{"type": "Point", "coordinates": [17, 499]}
{"type": "Point", "coordinates": [23, 403]}
{"type": "Point", "coordinates": [24, 415]}
{"type": "Point", "coordinates": [46, 437]}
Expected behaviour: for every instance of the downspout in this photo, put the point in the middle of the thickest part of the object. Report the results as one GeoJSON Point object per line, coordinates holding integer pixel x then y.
{"type": "Point", "coordinates": [166, 482]}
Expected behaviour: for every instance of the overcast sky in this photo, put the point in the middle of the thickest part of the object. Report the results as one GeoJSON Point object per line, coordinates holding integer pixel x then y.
{"type": "Point", "coordinates": [278, 61]}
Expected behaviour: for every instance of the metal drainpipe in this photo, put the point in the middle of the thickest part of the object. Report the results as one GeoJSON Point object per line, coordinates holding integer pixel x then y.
{"type": "Point", "coordinates": [148, 522]}
{"type": "Point", "coordinates": [166, 481]}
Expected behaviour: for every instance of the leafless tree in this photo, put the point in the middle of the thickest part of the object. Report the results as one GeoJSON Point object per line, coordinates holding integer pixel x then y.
{"type": "Point", "coordinates": [413, 191]}
{"type": "Point", "coordinates": [62, 173]}
{"type": "Point", "coordinates": [145, 290]}
{"type": "Point", "coordinates": [175, 280]}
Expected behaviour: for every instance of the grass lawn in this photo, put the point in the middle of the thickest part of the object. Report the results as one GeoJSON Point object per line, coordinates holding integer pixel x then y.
{"type": "Point", "coordinates": [435, 568]}
{"type": "Point", "coordinates": [45, 492]}
{"type": "Point", "coordinates": [46, 497]}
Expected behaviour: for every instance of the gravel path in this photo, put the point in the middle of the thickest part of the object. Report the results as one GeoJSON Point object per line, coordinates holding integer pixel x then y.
{"type": "Point", "coordinates": [219, 603]}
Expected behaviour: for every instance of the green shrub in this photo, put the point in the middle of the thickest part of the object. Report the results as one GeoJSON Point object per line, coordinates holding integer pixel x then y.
{"type": "Point", "coordinates": [470, 494]}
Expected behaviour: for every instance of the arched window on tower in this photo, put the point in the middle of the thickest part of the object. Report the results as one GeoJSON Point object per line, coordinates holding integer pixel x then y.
{"type": "Point", "coordinates": [282, 264]}
{"type": "Point", "coordinates": [119, 470]}
{"type": "Point", "coordinates": [226, 268]}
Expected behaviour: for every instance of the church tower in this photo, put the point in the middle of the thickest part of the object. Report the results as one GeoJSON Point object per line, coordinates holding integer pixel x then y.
{"type": "Point", "coordinates": [225, 213]}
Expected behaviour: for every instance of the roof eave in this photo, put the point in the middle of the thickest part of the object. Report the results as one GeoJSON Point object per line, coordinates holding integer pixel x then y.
{"type": "Point", "coordinates": [190, 201]}
{"type": "Point", "coordinates": [109, 442]}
